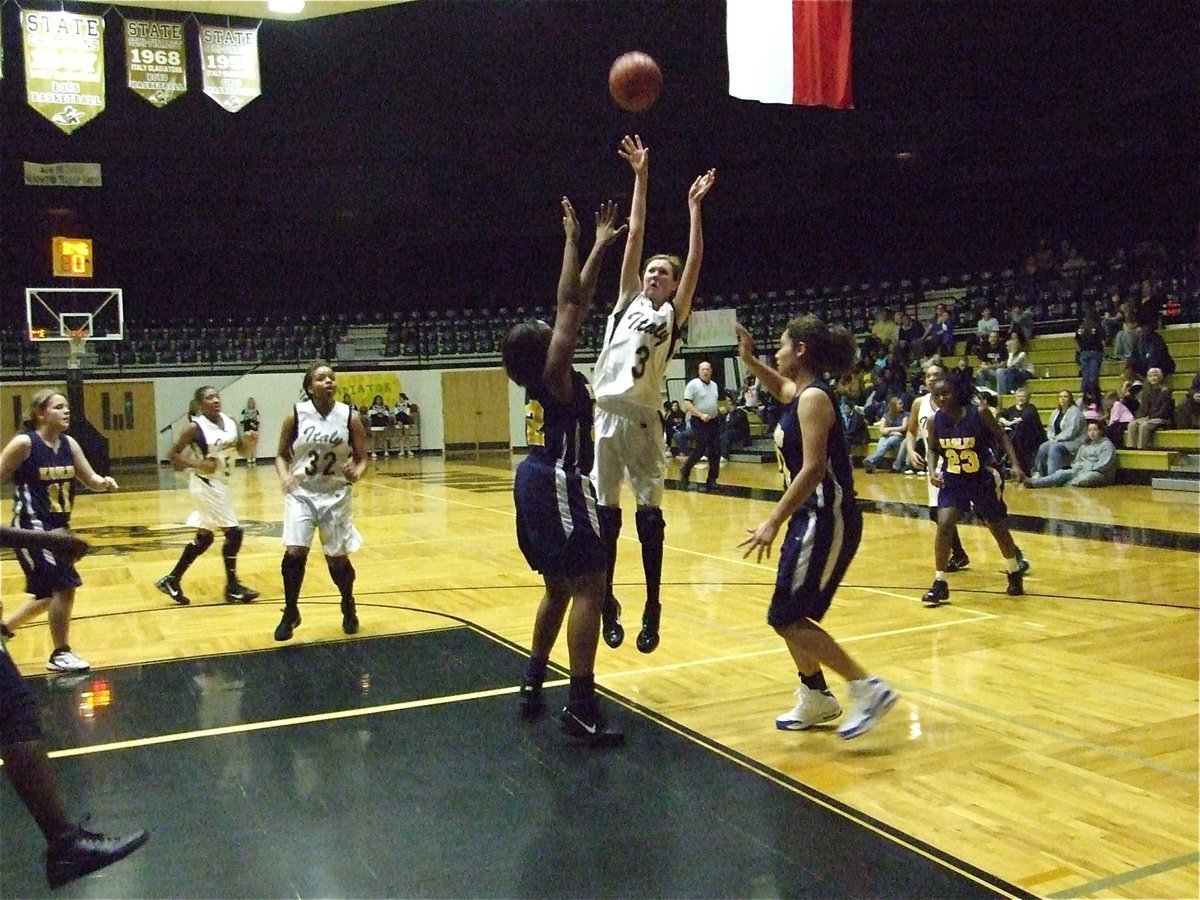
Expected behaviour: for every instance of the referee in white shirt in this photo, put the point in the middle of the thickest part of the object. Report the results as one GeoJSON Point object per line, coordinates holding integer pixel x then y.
{"type": "Point", "coordinates": [700, 402]}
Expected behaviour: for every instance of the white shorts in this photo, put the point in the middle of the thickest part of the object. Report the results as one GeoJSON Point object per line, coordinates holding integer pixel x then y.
{"type": "Point", "coordinates": [633, 445]}
{"type": "Point", "coordinates": [304, 512]}
{"type": "Point", "coordinates": [214, 508]}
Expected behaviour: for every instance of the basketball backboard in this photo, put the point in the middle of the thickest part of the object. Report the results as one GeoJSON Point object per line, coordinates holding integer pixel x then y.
{"type": "Point", "coordinates": [52, 313]}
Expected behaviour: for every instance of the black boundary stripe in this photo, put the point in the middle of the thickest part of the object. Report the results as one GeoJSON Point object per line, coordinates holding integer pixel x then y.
{"type": "Point", "coordinates": [893, 834]}
{"type": "Point", "coordinates": [849, 813]}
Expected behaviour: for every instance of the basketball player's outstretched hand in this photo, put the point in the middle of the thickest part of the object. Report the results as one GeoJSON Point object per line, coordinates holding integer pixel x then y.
{"type": "Point", "coordinates": [634, 153]}
{"type": "Point", "coordinates": [745, 341]}
{"type": "Point", "coordinates": [606, 228]}
{"type": "Point", "coordinates": [110, 484]}
{"type": "Point", "coordinates": [570, 220]}
{"type": "Point", "coordinates": [761, 539]}
{"type": "Point", "coordinates": [351, 470]}
{"type": "Point", "coordinates": [701, 186]}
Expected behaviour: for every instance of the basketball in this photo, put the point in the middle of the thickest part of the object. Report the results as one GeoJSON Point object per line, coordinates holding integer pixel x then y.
{"type": "Point", "coordinates": [635, 81]}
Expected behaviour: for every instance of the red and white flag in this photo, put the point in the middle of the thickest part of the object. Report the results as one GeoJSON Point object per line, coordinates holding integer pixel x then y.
{"type": "Point", "coordinates": [790, 51]}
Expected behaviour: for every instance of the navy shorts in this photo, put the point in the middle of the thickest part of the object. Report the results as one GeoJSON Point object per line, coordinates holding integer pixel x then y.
{"type": "Point", "coordinates": [983, 493]}
{"type": "Point", "coordinates": [557, 527]}
{"type": "Point", "coordinates": [816, 551]}
{"type": "Point", "coordinates": [45, 573]}
{"type": "Point", "coordinates": [19, 721]}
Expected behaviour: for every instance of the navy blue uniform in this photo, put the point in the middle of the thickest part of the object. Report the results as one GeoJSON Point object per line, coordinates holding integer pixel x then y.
{"type": "Point", "coordinates": [557, 527]}
{"type": "Point", "coordinates": [823, 535]}
{"type": "Point", "coordinates": [43, 492]}
{"type": "Point", "coordinates": [970, 478]}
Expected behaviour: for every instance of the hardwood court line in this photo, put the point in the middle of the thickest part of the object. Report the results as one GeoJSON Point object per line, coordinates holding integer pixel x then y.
{"type": "Point", "coordinates": [1103, 884]}
{"type": "Point", "coordinates": [813, 796]}
{"type": "Point", "coordinates": [1191, 777]}
{"type": "Point", "coordinates": [735, 657]}
{"type": "Point", "coordinates": [294, 720]}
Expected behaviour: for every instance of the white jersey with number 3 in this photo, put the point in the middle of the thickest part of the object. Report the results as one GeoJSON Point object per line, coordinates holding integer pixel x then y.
{"type": "Point", "coordinates": [639, 341]}
{"type": "Point", "coordinates": [219, 442]}
{"type": "Point", "coordinates": [321, 447]}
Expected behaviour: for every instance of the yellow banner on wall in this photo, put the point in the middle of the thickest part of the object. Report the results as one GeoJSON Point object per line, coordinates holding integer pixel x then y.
{"type": "Point", "coordinates": [360, 388]}
{"type": "Point", "coordinates": [156, 60]}
{"type": "Point", "coordinates": [64, 66]}
{"type": "Point", "coordinates": [229, 63]}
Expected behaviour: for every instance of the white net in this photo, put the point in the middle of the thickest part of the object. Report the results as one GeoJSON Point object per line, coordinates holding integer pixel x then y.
{"type": "Point", "coordinates": [76, 347]}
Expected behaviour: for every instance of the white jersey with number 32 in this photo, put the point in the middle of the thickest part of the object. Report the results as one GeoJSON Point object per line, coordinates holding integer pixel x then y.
{"type": "Point", "coordinates": [321, 447]}
{"type": "Point", "coordinates": [639, 341]}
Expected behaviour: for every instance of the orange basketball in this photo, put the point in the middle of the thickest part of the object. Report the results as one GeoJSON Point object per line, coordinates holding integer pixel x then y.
{"type": "Point", "coordinates": [635, 81]}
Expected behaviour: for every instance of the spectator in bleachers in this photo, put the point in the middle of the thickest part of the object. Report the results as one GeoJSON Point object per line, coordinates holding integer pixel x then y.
{"type": "Point", "coordinates": [750, 394]}
{"type": "Point", "coordinates": [940, 335]}
{"type": "Point", "coordinates": [674, 423]}
{"type": "Point", "coordinates": [1017, 368]}
{"type": "Point", "coordinates": [892, 428]}
{"type": "Point", "coordinates": [1020, 322]}
{"type": "Point", "coordinates": [986, 326]}
{"type": "Point", "coordinates": [1117, 417]}
{"type": "Point", "coordinates": [1073, 262]}
{"type": "Point", "coordinates": [1122, 347]}
{"type": "Point", "coordinates": [1147, 309]}
{"type": "Point", "coordinates": [1188, 413]}
{"type": "Point", "coordinates": [992, 356]}
{"type": "Point", "coordinates": [1113, 319]}
{"type": "Point", "coordinates": [1091, 406]}
{"type": "Point", "coordinates": [1156, 409]}
{"type": "Point", "coordinates": [1063, 437]}
{"type": "Point", "coordinates": [1150, 351]}
{"type": "Point", "coordinates": [1023, 424]}
{"type": "Point", "coordinates": [908, 335]}
{"type": "Point", "coordinates": [1089, 341]}
{"type": "Point", "coordinates": [885, 327]}
{"type": "Point", "coordinates": [1095, 465]}
{"type": "Point", "coordinates": [854, 422]}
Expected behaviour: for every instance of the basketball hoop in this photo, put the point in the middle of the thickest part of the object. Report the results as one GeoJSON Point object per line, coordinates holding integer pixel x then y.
{"type": "Point", "coordinates": [76, 343]}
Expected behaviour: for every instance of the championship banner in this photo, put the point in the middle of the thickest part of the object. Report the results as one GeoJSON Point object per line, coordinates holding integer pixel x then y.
{"type": "Point", "coordinates": [64, 66]}
{"type": "Point", "coordinates": [63, 174]}
{"type": "Point", "coordinates": [229, 61]}
{"type": "Point", "coordinates": [156, 60]}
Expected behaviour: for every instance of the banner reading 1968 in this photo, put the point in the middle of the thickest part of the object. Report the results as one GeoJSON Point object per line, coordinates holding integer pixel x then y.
{"type": "Point", "coordinates": [64, 66]}
{"type": "Point", "coordinates": [229, 61]}
{"type": "Point", "coordinates": [156, 60]}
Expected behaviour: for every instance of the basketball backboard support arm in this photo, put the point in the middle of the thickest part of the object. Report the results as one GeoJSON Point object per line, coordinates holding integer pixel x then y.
{"type": "Point", "coordinates": [52, 313]}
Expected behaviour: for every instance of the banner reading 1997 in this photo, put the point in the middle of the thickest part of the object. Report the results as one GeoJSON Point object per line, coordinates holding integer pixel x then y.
{"type": "Point", "coordinates": [156, 60]}
{"type": "Point", "coordinates": [229, 61]}
{"type": "Point", "coordinates": [64, 66]}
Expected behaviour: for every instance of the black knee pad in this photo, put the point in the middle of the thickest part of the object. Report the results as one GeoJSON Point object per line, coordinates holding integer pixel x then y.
{"type": "Point", "coordinates": [203, 540]}
{"type": "Point", "coordinates": [233, 541]}
{"type": "Point", "coordinates": [650, 526]}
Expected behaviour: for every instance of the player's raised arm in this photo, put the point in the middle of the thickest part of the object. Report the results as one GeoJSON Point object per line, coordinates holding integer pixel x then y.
{"type": "Point", "coordinates": [638, 158]}
{"type": "Point", "coordinates": [691, 267]}
{"type": "Point", "coordinates": [781, 388]}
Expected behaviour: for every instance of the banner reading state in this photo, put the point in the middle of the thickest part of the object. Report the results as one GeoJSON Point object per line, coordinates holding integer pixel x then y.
{"type": "Point", "coordinates": [64, 66]}
{"type": "Point", "coordinates": [156, 60]}
{"type": "Point", "coordinates": [229, 61]}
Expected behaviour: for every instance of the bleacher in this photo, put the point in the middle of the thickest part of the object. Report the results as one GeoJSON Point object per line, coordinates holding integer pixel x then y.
{"type": "Point", "coordinates": [1175, 452]}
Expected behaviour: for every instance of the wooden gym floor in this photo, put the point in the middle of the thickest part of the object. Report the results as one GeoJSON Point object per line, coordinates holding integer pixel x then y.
{"type": "Point", "coordinates": [1044, 745]}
